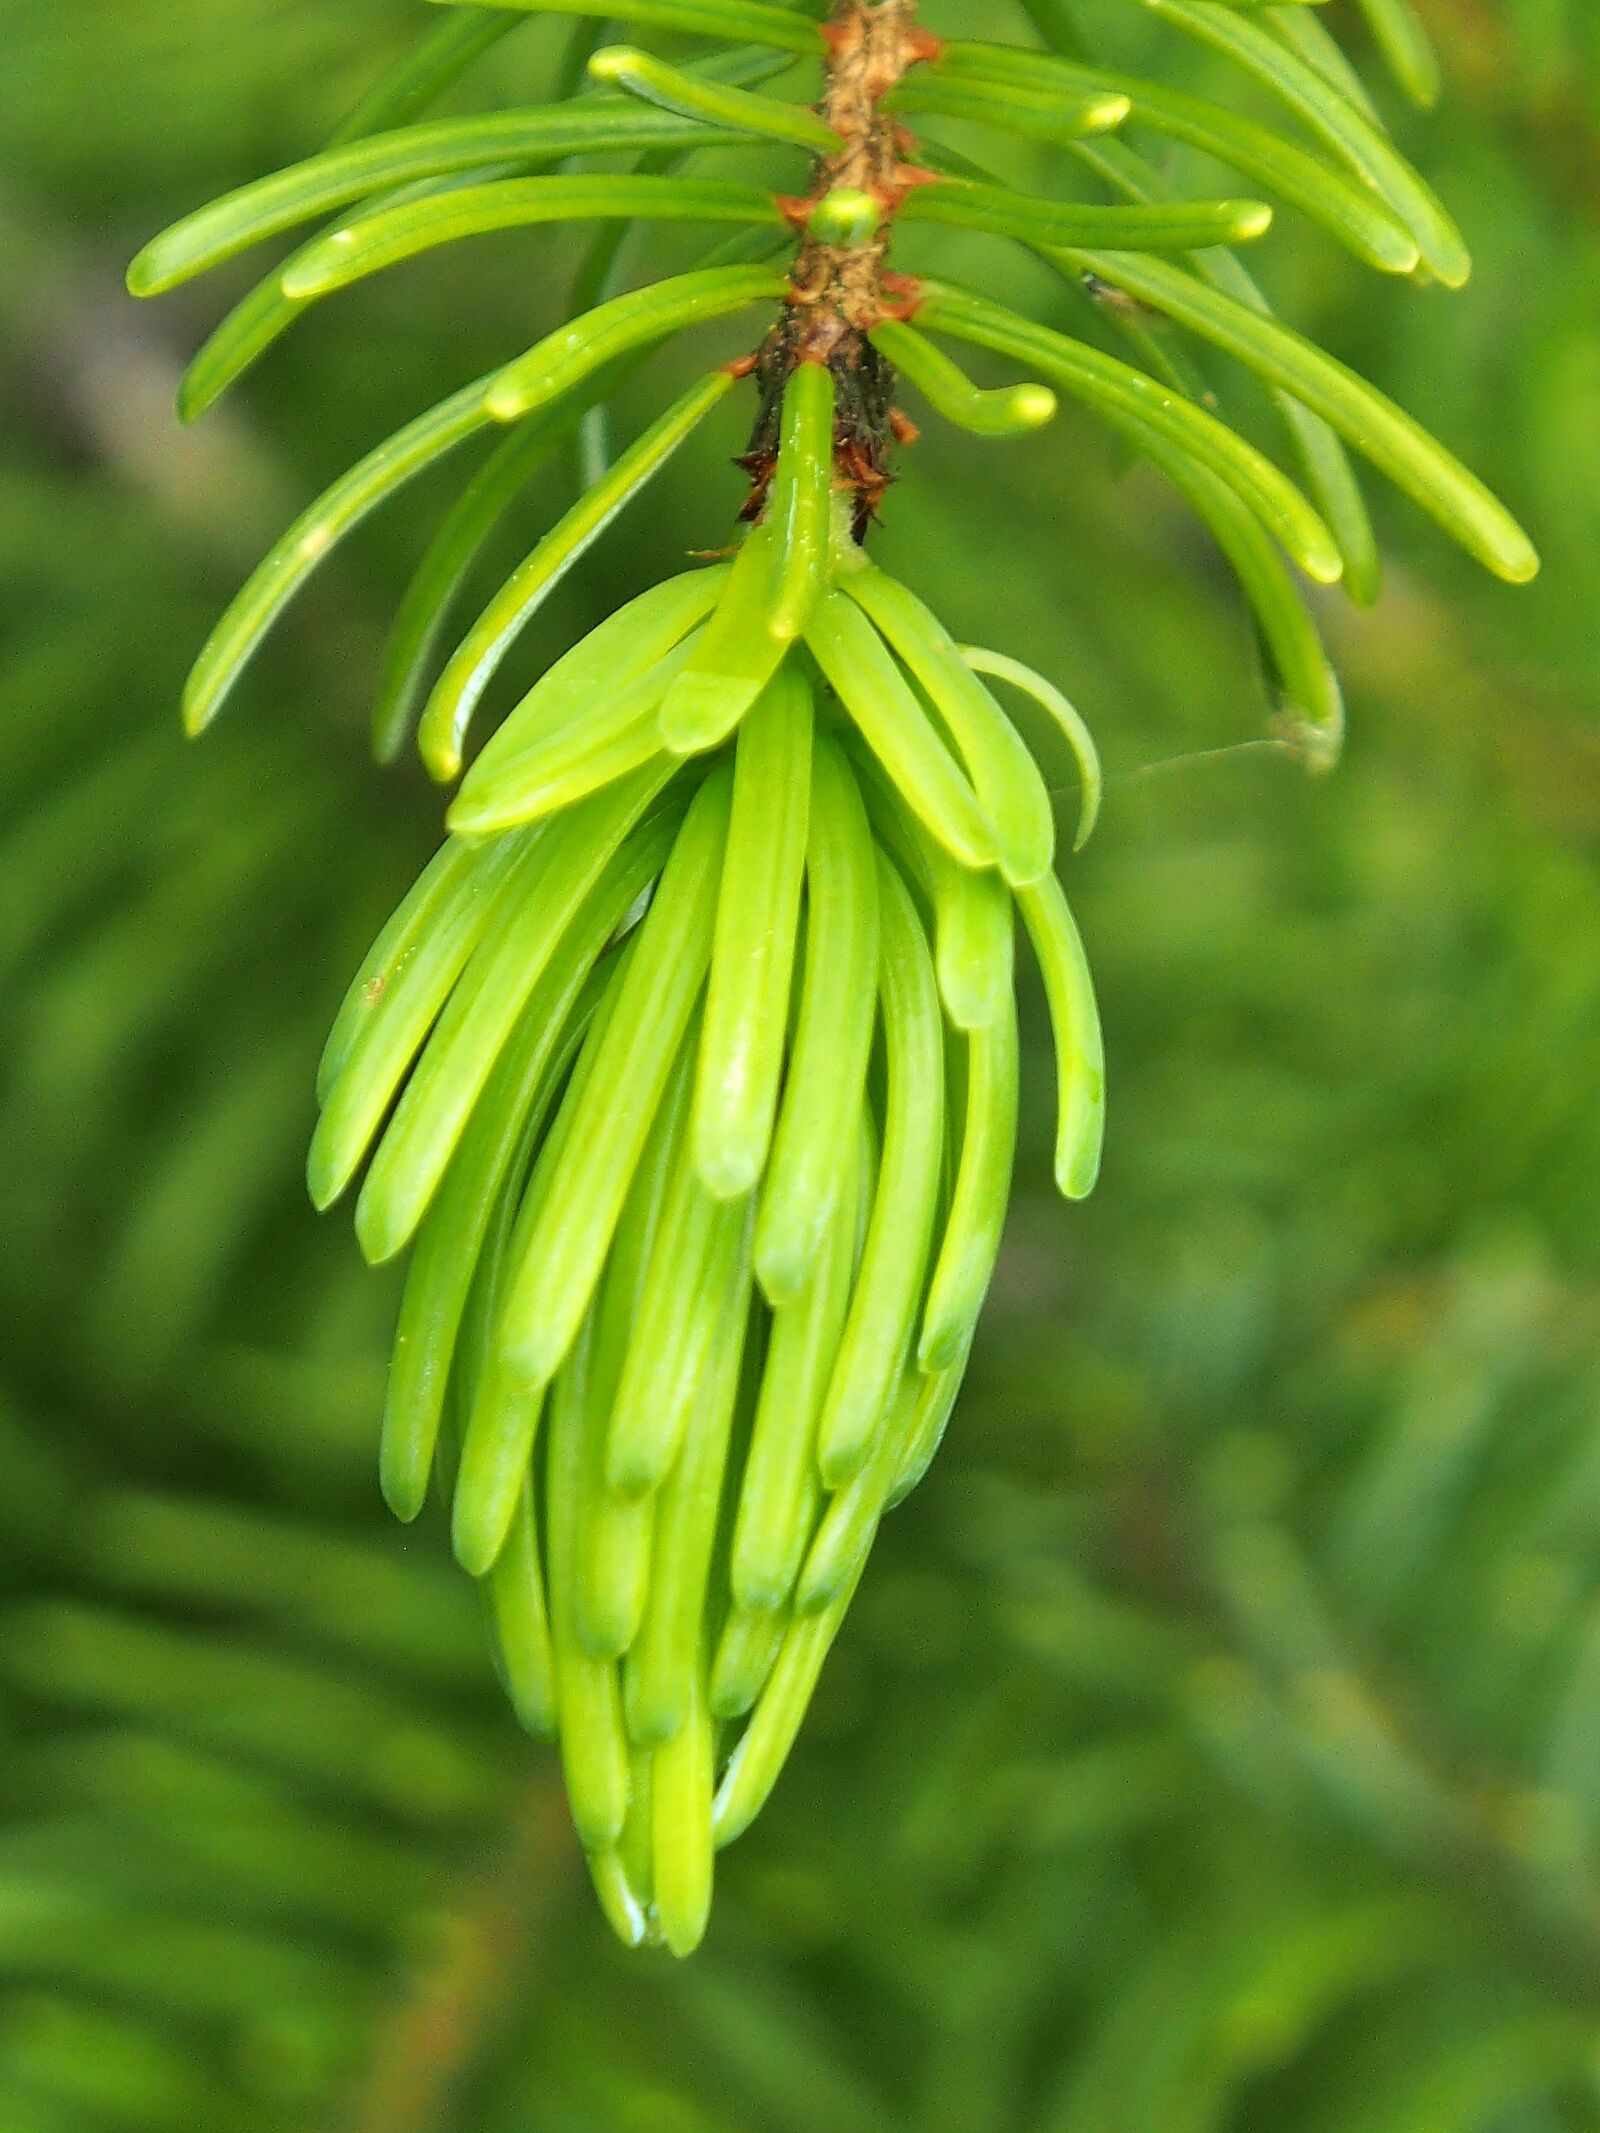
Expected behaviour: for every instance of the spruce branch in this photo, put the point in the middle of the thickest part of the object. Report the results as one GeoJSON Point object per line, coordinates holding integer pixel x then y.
{"type": "Point", "coordinates": [690, 1072]}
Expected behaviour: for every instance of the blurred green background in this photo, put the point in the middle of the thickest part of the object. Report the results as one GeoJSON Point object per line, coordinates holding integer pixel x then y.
{"type": "Point", "coordinates": [1215, 1743]}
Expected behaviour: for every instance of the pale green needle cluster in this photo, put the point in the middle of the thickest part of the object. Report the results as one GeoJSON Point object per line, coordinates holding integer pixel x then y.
{"type": "Point", "coordinates": [689, 1070]}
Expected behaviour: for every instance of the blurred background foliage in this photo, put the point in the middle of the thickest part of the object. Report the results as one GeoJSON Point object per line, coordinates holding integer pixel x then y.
{"type": "Point", "coordinates": [1215, 1744]}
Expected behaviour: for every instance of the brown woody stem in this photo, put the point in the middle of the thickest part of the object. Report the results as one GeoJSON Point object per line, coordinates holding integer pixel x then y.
{"type": "Point", "coordinates": [838, 293]}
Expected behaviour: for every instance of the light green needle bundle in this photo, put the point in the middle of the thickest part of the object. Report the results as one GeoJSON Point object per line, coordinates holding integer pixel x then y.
{"type": "Point", "coordinates": [692, 1081]}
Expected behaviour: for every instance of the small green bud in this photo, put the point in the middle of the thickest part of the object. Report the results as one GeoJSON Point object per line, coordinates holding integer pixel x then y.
{"type": "Point", "coordinates": [844, 217]}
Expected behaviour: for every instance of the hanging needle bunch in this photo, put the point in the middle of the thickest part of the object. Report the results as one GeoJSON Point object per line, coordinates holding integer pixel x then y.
{"type": "Point", "coordinates": [688, 1071]}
